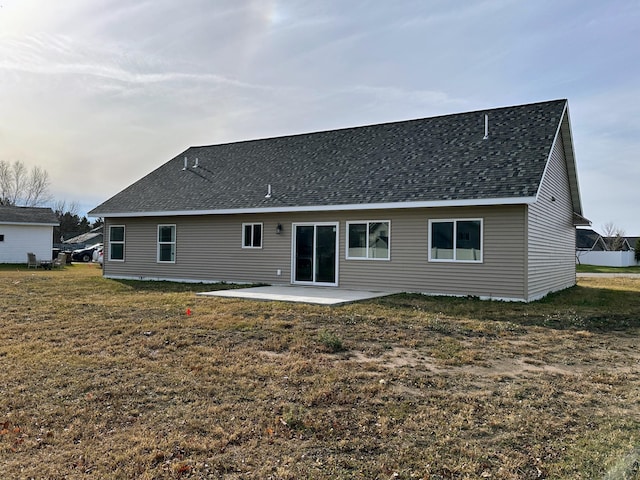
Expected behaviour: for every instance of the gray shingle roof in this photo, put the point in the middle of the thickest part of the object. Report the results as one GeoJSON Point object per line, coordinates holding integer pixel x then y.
{"type": "Point", "coordinates": [588, 239]}
{"type": "Point", "coordinates": [632, 241]}
{"type": "Point", "coordinates": [86, 238]}
{"type": "Point", "coordinates": [31, 215]}
{"type": "Point", "coordinates": [434, 159]}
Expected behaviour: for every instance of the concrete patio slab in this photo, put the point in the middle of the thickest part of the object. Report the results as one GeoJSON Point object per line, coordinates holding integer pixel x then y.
{"type": "Point", "coordinates": [286, 293]}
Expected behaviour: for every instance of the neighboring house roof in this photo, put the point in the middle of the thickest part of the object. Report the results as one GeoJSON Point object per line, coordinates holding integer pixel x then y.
{"type": "Point", "coordinates": [588, 239]}
{"type": "Point", "coordinates": [85, 238]}
{"type": "Point", "coordinates": [27, 215]}
{"type": "Point", "coordinates": [618, 243]}
{"type": "Point", "coordinates": [632, 241]}
{"type": "Point", "coordinates": [438, 161]}
{"type": "Point", "coordinates": [93, 236]}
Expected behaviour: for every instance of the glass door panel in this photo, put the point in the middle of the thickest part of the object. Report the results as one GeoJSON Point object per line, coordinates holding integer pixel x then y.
{"type": "Point", "coordinates": [304, 253]}
{"type": "Point", "coordinates": [325, 254]}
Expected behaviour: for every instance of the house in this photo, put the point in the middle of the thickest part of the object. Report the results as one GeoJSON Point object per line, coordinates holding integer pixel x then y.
{"type": "Point", "coordinates": [91, 237]}
{"type": "Point", "coordinates": [482, 203]}
{"type": "Point", "coordinates": [611, 251]}
{"type": "Point", "coordinates": [24, 230]}
{"type": "Point", "coordinates": [588, 240]}
{"type": "Point", "coordinates": [619, 243]}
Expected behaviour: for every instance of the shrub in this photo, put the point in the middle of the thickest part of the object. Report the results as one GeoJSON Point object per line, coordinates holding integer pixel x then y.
{"type": "Point", "coordinates": [331, 342]}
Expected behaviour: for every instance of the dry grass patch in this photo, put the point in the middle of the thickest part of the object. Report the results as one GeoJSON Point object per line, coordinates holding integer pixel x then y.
{"type": "Point", "coordinates": [113, 379]}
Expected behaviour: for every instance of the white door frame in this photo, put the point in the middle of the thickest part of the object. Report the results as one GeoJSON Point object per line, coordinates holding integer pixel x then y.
{"type": "Point", "coordinates": [293, 252]}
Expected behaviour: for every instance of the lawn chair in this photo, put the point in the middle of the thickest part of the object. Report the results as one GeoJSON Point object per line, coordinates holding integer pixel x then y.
{"type": "Point", "coordinates": [31, 260]}
{"type": "Point", "coordinates": [60, 261]}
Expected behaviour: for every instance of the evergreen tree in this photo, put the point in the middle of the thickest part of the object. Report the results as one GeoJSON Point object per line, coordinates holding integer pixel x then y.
{"type": "Point", "coordinates": [71, 224]}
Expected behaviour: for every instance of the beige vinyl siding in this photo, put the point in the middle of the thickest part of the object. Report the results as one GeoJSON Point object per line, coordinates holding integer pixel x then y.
{"type": "Point", "coordinates": [551, 260]}
{"type": "Point", "coordinates": [209, 248]}
{"type": "Point", "coordinates": [500, 275]}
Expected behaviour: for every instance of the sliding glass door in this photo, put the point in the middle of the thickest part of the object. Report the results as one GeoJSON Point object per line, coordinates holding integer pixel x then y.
{"type": "Point", "coordinates": [315, 248]}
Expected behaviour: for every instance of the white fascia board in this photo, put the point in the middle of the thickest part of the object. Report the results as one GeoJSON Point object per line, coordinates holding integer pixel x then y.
{"type": "Point", "coordinates": [553, 143]}
{"type": "Point", "coordinates": [564, 126]}
{"type": "Point", "coordinates": [329, 208]}
{"type": "Point", "coordinates": [31, 224]}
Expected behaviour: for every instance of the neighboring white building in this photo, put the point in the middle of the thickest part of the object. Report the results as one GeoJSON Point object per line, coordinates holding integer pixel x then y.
{"type": "Point", "coordinates": [24, 230]}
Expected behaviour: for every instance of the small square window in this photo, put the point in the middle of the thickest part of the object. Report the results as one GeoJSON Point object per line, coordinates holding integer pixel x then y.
{"type": "Point", "coordinates": [251, 235]}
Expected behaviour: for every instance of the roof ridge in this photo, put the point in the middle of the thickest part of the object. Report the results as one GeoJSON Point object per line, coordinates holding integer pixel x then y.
{"type": "Point", "coordinates": [381, 124]}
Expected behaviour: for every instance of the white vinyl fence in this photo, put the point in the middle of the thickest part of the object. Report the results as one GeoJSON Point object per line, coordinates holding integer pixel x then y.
{"type": "Point", "coordinates": [607, 259]}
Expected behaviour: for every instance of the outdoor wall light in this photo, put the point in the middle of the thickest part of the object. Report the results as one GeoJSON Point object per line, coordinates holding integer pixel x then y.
{"type": "Point", "coordinates": [279, 229]}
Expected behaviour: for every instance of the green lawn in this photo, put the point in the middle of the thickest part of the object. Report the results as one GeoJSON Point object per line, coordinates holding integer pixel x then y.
{"type": "Point", "coordinates": [599, 269]}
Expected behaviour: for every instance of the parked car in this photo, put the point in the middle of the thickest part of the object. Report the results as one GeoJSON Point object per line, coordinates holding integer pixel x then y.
{"type": "Point", "coordinates": [98, 255]}
{"type": "Point", "coordinates": [85, 254]}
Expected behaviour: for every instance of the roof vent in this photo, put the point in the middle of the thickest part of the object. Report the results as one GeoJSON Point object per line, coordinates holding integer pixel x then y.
{"type": "Point", "coordinates": [195, 165]}
{"type": "Point", "coordinates": [268, 195]}
{"type": "Point", "coordinates": [486, 127]}
{"type": "Point", "coordinates": [185, 164]}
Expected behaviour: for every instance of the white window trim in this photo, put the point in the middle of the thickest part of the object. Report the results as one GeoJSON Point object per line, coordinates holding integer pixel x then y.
{"type": "Point", "coordinates": [174, 243]}
{"type": "Point", "coordinates": [455, 239]}
{"type": "Point", "coordinates": [251, 247]}
{"type": "Point", "coordinates": [367, 222]}
{"type": "Point", "coordinates": [123, 242]}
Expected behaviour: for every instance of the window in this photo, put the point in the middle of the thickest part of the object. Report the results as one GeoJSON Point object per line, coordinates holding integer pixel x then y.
{"type": "Point", "coordinates": [368, 240]}
{"type": "Point", "coordinates": [116, 242]}
{"type": "Point", "coordinates": [251, 235]}
{"type": "Point", "coordinates": [455, 240]}
{"type": "Point", "coordinates": [1, 237]}
{"type": "Point", "coordinates": [167, 243]}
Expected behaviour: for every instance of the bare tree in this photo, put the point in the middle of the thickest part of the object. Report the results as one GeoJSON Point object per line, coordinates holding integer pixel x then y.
{"type": "Point", "coordinates": [613, 237]}
{"type": "Point", "coordinates": [21, 186]}
{"type": "Point", "coordinates": [60, 207]}
{"type": "Point", "coordinates": [37, 191]}
{"type": "Point", "coordinates": [5, 182]}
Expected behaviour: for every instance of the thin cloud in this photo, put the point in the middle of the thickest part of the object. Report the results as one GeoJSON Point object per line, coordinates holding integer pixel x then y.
{"type": "Point", "coordinates": [58, 55]}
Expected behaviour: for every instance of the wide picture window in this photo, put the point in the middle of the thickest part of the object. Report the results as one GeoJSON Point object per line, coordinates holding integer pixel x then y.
{"type": "Point", "coordinates": [368, 240]}
{"type": "Point", "coordinates": [455, 240]}
{"type": "Point", "coordinates": [167, 243]}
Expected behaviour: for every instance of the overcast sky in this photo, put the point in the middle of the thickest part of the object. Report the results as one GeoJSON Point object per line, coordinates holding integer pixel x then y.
{"type": "Point", "coordinates": [101, 92]}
